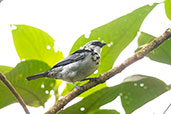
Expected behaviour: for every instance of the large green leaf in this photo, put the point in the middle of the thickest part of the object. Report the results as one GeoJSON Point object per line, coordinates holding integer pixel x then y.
{"type": "Point", "coordinates": [160, 54]}
{"type": "Point", "coordinates": [139, 89]}
{"type": "Point", "coordinates": [36, 92]}
{"type": "Point", "coordinates": [135, 91]}
{"type": "Point", "coordinates": [4, 69]}
{"type": "Point", "coordinates": [168, 8]}
{"type": "Point", "coordinates": [104, 111]}
{"type": "Point", "coordinates": [33, 43]}
{"type": "Point", "coordinates": [117, 34]}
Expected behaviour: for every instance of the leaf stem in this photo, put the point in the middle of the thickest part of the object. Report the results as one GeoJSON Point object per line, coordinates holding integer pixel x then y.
{"type": "Point", "coordinates": [12, 89]}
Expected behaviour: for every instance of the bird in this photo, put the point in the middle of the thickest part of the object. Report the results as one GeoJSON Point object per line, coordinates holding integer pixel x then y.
{"type": "Point", "coordinates": [77, 66]}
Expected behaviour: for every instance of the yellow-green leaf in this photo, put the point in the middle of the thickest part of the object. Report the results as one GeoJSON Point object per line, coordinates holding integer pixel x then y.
{"type": "Point", "coordinates": [4, 69]}
{"type": "Point", "coordinates": [168, 8]}
{"type": "Point", "coordinates": [33, 43]}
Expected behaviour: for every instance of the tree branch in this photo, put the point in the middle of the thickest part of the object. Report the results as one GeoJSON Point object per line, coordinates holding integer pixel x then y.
{"type": "Point", "coordinates": [102, 78]}
{"type": "Point", "coordinates": [12, 89]}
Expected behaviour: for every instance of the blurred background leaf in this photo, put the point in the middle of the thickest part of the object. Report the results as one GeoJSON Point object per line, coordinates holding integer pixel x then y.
{"type": "Point", "coordinates": [135, 91]}
{"type": "Point", "coordinates": [162, 53]}
{"type": "Point", "coordinates": [4, 69]}
{"type": "Point", "coordinates": [33, 43]}
{"type": "Point", "coordinates": [34, 93]}
{"type": "Point", "coordinates": [168, 8]}
{"type": "Point", "coordinates": [117, 34]}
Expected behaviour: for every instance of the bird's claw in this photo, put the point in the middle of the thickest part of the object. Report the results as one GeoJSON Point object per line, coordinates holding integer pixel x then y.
{"type": "Point", "coordinates": [79, 87]}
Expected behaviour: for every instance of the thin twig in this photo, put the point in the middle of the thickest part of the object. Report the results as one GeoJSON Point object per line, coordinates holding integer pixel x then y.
{"type": "Point", "coordinates": [12, 89]}
{"type": "Point", "coordinates": [102, 78]}
{"type": "Point", "coordinates": [167, 109]}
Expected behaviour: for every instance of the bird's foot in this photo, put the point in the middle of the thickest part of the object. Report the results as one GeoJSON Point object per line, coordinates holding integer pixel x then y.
{"type": "Point", "coordinates": [78, 87]}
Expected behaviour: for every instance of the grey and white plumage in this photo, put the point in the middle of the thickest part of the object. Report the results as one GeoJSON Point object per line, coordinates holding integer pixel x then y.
{"type": "Point", "coordinates": [76, 67]}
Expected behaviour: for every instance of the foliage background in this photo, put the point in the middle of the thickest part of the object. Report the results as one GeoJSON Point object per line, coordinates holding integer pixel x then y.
{"type": "Point", "coordinates": [68, 20]}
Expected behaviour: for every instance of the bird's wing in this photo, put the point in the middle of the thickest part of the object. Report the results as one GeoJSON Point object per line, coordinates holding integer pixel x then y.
{"type": "Point", "coordinates": [76, 56]}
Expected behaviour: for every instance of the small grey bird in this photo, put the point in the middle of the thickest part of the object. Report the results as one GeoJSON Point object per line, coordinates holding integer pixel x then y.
{"type": "Point", "coordinates": [76, 67]}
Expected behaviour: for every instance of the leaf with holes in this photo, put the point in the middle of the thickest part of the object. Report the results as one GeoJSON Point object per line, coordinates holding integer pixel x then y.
{"type": "Point", "coordinates": [33, 43]}
{"type": "Point", "coordinates": [161, 54]}
{"type": "Point", "coordinates": [135, 91]}
{"type": "Point", "coordinates": [140, 89]}
{"type": "Point", "coordinates": [93, 101]}
{"type": "Point", "coordinates": [36, 92]}
{"type": "Point", "coordinates": [117, 34]}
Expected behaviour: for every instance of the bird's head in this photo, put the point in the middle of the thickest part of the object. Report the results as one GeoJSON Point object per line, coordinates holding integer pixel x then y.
{"type": "Point", "coordinates": [94, 46]}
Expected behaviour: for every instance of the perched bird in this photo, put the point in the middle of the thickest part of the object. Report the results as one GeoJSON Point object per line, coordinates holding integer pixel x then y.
{"type": "Point", "coordinates": [76, 67]}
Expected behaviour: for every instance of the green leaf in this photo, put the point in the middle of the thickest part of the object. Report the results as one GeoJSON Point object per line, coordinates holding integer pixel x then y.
{"type": "Point", "coordinates": [162, 53]}
{"type": "Point", "coordinates": [4, 69]}
{"type": "Point", "coordinates": [33, 43]}
{"type": "Point", "coordinates": [138, 90]}
{"type": "Point", "coordinates": [135, 91]}
{"type": "Point", "coordinates": [35, 93]}
{"type": "Point", "coordinates": [117, 34]}
{"type": "Point", "coordinates": [104, 111]}
{"type": "Point", "coordinates": [168, 8]}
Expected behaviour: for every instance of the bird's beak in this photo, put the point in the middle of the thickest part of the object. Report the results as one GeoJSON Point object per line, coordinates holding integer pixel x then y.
{"type": "Point", "coordinates": [103, 44]}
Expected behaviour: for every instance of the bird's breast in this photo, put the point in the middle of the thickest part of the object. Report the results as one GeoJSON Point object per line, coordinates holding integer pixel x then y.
{"type": "Point", "coordinates": [89, 65]}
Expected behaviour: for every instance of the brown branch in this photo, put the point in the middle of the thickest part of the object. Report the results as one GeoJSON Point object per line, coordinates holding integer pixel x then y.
{"type": "Point", "coordinates": [12, 89]}
{"type": "Point", "coordinates": [102, 78]}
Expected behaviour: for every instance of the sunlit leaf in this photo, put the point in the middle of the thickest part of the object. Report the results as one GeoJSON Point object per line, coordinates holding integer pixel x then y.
{"type": "Point", "coordinates": [161, 54]}
{"type": "Point", "coordinates": [33, 43]}
{"type": "Point", "coordinates": [168, 8]}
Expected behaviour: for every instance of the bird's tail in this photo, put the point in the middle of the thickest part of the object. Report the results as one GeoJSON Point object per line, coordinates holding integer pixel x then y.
{"type": "Point", "coordinates": [41, 75]}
